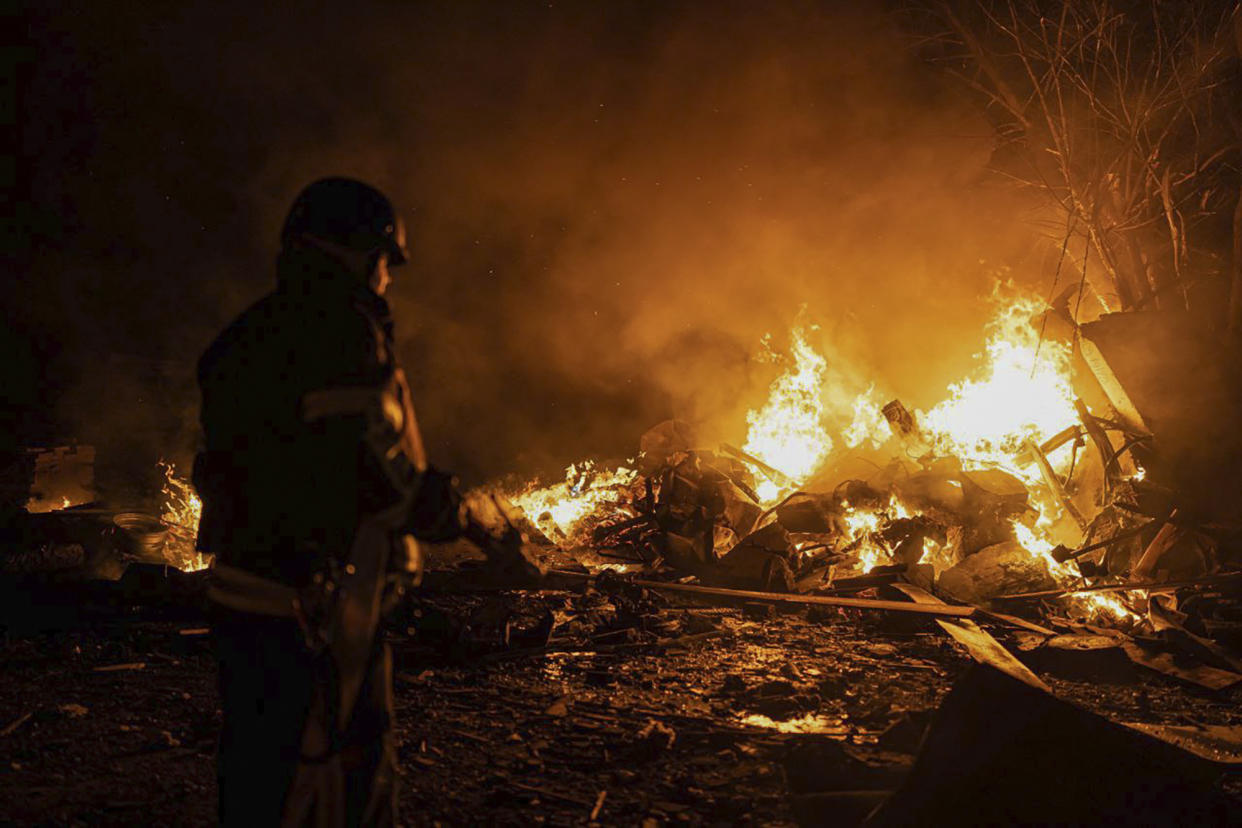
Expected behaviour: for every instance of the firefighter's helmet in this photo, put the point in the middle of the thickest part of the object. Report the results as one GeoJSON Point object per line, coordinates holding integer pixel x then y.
{"type": "Point", "coordinates": [349, 213]}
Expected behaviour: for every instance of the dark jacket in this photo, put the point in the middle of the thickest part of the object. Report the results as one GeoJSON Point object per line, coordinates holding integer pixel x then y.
{"type": "Point", "coordinates": [281, 495]}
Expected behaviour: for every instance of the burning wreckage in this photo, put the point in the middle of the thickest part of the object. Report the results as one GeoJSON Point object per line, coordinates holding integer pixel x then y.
{"type": "Point", "coordinates": [1012, 493]}
{"type": "Point", "coordinates": [1058, 497]}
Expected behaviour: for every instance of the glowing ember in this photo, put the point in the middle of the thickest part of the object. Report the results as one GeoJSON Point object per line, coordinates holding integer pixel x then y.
{"type": "Point", "coordinates": [862, 525]}
{"type": "Point", "coordinates": [940, 556]}
{"type": "Point", "coordinates": [560, 509]}
{"type": "Point", "coordinates": [809, 723]}
{"type": "Point", "coordinates": [788, 433]}
{"type": "Point", "coordinates": [180, 512]}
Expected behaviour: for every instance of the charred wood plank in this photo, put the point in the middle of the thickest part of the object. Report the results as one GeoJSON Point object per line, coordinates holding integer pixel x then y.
{"type": "Point", "coordinates": [1061, 554]}
{"type": "Point", "coordinates": [1059, 439]}
{"type": "Point", "coordinates": [1015, 621]}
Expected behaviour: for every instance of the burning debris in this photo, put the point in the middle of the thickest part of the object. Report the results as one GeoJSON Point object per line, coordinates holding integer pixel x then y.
{"type": "Point", "coordinates": [1009, 493]}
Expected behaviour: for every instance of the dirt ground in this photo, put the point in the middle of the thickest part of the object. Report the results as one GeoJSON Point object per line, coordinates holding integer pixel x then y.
{"type": "Point", "coordinates": [552, 708]}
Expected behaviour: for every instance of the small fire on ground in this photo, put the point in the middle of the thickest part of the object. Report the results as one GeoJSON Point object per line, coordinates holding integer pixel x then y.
{"type": "Point", "coordinates": [181, 510]}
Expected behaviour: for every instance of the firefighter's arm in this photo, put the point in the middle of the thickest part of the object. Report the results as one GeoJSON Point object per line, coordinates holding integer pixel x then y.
{"type": "Point", "coordinates": [441, 514]}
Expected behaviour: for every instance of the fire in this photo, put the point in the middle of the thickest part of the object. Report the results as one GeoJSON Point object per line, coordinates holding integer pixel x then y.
{"type": "Point", "coordinates": [180, 512]}
{"type": "Point", "coordinates": [862, 526]}
{"type": "Point", "coordinates": [1020, 394]}
{"type": "Point", "coordinates": [560, 509]}
{"type": "Point", "coordinates": [1023, 392]}
{"type": "Point", "coordinates": [1089, 603]}
{"type": "Point", "coordinates": [787, 433]}
{"type": "Point", "coordinates": [869, 425]}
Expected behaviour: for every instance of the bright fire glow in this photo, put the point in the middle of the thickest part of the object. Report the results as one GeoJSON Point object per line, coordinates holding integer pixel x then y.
{"type": "Point", "coordinates": [1091, 603]}
{"type": "Point", "coordinates": [1022, 392]}
{"type": "Point", "coordinates": [787, 432]}
{"type": "Point", "coordinates": [862, 524]}
{"type": "Point", "coordinates": [180, 512]}
{"type": "Point", "coordinates": [868, 425]}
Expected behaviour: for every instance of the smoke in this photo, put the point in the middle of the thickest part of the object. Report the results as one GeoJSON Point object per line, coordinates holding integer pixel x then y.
{"type": "Point", "coordinates": [609, 204]}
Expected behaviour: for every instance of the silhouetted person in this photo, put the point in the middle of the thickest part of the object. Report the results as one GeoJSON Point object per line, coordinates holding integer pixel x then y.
{"type": "Point", "coordinates": [313, 479]}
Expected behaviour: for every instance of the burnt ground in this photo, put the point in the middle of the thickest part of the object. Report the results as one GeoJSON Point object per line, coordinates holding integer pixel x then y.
{"type": "Point", "coordinates": [654, 717]}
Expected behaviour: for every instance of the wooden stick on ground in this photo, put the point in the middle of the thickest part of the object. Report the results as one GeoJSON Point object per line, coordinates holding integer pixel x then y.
{"type": "Point", "coordinates": [15, 724]}
{"type": "Point", "coordinates": [1150, 586]}
{"type": "Point", "coordinates": [744, 595]}
{"type": "Point", "coordinates": [981, 645]}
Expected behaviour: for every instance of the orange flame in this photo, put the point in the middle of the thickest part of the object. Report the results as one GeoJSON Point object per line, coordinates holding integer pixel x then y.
{"type": "Point", "coordinates": [559, 510]}
{"type": "Point", "coordinates": [1022, 391]}
{"type": "Point", "coordinates": [787, 432]}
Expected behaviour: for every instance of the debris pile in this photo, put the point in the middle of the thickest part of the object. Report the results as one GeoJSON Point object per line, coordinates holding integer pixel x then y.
{"type": "Point", "coordinates": [1013, 495]}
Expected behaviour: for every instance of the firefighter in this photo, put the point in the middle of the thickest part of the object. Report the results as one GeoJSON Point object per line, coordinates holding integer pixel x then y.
{"type": "Point", "coordinates": [315, 493]}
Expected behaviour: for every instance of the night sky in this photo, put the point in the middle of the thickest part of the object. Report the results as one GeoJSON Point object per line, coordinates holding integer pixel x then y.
{"type": "Point", "coordinates": [609, 204]}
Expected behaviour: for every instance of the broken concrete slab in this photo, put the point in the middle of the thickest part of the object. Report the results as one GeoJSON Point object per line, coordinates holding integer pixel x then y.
{"type": "Point", "coordinates": [1000, 569]}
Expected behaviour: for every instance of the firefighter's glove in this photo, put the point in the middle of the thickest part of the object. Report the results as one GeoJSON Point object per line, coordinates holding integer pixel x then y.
{"type": "Point", "coordinates": [511, 558]}
{"type": "Point", "coordinates": [436, 515]}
